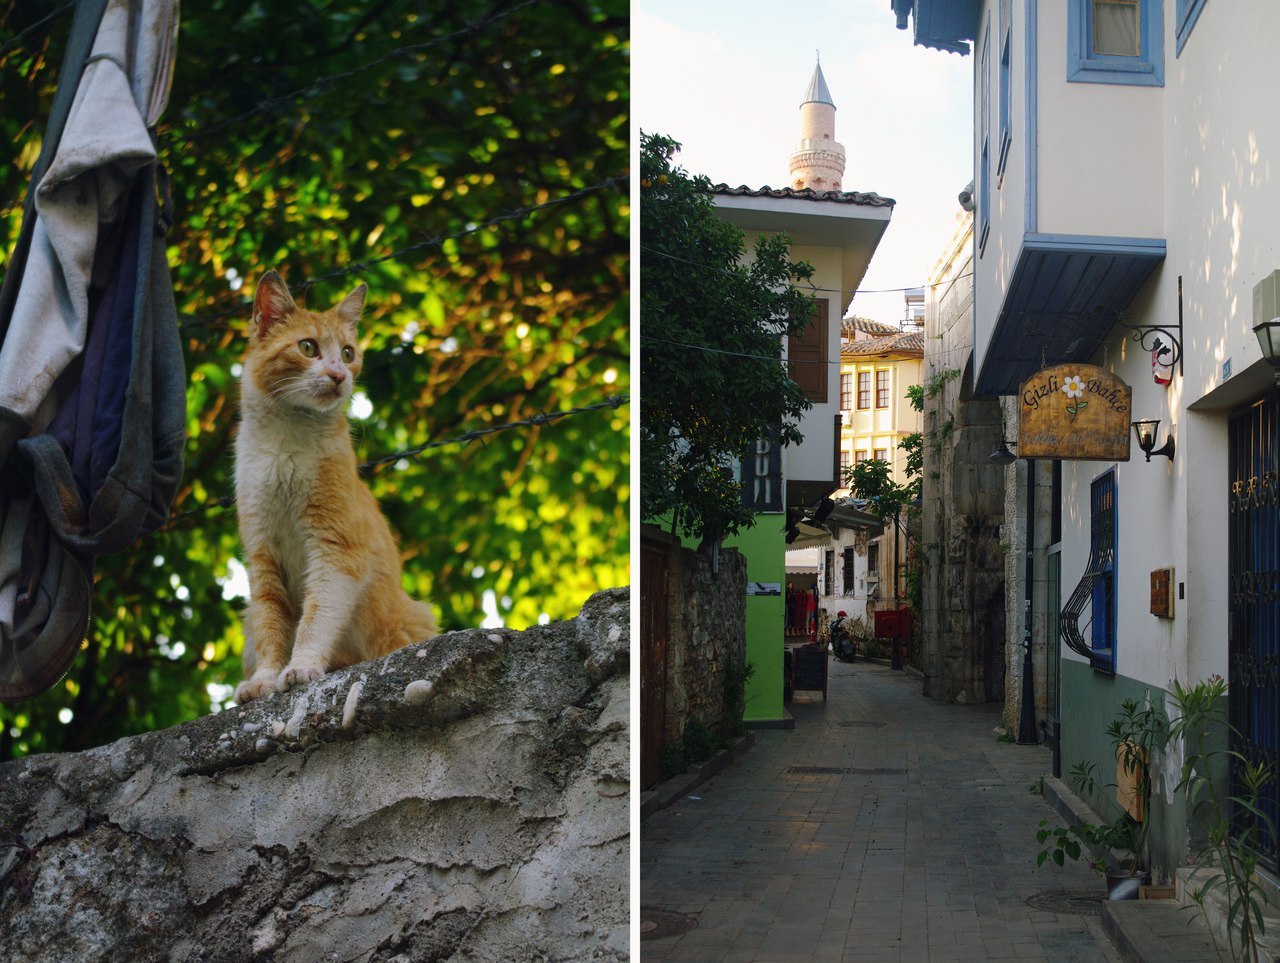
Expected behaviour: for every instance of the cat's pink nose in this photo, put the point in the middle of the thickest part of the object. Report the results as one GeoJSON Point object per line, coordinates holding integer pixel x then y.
{"type": "Point", "coordinates": [338, 375]}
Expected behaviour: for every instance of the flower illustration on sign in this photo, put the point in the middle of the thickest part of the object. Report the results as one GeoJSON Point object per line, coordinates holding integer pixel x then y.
{"type": "Point", "coordinates": [1073, 388]}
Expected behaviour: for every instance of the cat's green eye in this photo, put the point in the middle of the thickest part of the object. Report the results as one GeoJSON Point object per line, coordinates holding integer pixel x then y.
{"type": "Point", "coordinates": [348, 353]}
{"type": "Point", "coordinates": [308, 347]}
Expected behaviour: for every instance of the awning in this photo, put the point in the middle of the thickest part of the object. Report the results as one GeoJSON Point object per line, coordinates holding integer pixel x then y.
{"type": "Point", "coordinates": [802, 561]}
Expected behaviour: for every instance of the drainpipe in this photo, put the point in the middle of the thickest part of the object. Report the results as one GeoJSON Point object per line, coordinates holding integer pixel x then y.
{"type": "Point", "coordinates": [1027, 711]}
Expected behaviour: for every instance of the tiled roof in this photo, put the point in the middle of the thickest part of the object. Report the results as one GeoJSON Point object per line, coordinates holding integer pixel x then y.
{"type": "Point", "coordinates": [893, 343]}
{"type": "Point", "coordinates": [808, 194]}
{"type": "Point", "coordinates": [876, 329]}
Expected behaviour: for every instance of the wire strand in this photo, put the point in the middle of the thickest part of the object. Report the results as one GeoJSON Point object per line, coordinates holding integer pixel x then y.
{"type": "Point", "coordinates": [807, 287]}
{"type": "Point", "coordinates": [613, 402]}
{"type": "Point", "coordinates": [17, 40]}
{"type": "Point", "coordinates": [321, 84]}
{"type": "Point", "coordinates": [357, 267]}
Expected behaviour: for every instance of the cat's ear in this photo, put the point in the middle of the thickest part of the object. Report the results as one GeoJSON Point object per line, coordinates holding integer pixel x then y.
{"type": "Point", "coordinates": [351, 306]}
{"type": "Point", "coordinates": [271, 303]}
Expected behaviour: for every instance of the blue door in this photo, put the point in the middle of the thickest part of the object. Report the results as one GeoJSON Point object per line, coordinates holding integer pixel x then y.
{"type": "Point", "coordinates": [1254, 583]}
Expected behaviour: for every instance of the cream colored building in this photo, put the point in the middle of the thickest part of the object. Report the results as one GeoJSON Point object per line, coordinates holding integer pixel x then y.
{"type": "Point", "coordinates": [878, 362]}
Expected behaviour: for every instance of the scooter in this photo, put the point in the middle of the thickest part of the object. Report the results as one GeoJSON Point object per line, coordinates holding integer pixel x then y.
{"type": "Point", "coordinates": [842, 644]}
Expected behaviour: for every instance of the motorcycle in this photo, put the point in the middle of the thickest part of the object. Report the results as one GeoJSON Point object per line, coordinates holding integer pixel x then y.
{"type": "Point", "coordinates": [842, 642]}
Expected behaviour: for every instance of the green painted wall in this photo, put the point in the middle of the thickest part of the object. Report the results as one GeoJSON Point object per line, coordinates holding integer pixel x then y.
{"type": "Point", "coordinates": [1090, 701]}
{"type": "Point", "coordinates": [765, 551]}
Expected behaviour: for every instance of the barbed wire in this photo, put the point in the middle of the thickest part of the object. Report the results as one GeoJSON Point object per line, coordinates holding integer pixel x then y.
{"type": "Point", "coordinates": [357, 267]}
{"type": "Point", "coordinates": [613, 402]}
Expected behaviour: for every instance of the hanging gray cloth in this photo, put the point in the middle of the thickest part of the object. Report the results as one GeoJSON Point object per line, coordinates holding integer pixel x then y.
{"type": "Point", "coordinates": [92, 385]}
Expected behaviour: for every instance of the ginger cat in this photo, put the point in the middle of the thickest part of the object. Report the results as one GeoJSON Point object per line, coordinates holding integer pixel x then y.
{"type": "Point", "coordinates": [324, 568]}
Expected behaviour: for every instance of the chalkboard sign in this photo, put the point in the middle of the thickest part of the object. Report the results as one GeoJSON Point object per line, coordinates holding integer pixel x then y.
{"type": "Point", "coordinates": [809, 669]}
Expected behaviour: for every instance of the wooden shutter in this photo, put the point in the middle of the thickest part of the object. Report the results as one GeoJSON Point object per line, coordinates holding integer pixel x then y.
{"type": "Point", "coordinates": [808, 355]}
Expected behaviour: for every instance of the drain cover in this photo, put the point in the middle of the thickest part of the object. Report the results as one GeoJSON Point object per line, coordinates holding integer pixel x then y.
{"type": "Point", "coordinates": [1083, 903]}
{"type": "Point", "coordinates": [656, 923]}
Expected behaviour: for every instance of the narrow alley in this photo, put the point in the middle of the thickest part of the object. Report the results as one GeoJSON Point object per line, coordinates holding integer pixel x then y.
{"type": "Point", "coordinates": [884, 826]}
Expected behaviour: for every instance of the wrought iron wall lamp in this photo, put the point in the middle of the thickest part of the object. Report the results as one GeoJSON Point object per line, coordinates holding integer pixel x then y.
{"type": "Point", "coordinates": [1268, 333]}
{"type": "Point", "coordinates": [1146, 432]}
{"type": "Point", "coordinates": [1002, 456]}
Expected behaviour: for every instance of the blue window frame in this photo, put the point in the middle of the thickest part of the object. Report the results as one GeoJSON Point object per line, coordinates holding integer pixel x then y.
{"type": "Point", "coordinates": [1116, 42]}
{"type": "Point", "coordinates": [984, 148]}
{"type": "Point", "coordinates": [1006, 37]}
{"type": "Point", "coordinates": [1188, 12]}
{"type": "Point", "coordinates": [1102, 555]}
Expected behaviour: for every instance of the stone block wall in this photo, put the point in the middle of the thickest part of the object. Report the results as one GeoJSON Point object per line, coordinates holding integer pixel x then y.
{"type": "Point", "coordinates": [708, 637]}
{"type": "Point", "coordinates": [963, 630]}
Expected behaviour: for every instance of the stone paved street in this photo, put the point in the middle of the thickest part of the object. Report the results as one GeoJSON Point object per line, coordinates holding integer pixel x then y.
{"type": "Point", "coordinates": [921, 847]}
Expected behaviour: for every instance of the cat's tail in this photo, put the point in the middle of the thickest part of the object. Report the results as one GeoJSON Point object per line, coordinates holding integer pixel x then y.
{"type": "Point", "coordinates": [418, 623]}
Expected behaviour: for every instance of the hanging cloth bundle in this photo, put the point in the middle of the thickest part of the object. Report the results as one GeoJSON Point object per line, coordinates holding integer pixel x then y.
{"type": "Point", "coordinates": [92, 385]}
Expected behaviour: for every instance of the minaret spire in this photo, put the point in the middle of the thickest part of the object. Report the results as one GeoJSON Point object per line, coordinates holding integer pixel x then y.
{"type": "Point", "coordinates": [818, 161]}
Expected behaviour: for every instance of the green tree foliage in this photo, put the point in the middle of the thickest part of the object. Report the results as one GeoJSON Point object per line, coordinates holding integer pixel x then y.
{"type": "Point", "coordinates": [872, 480]}
{"type": "Point", "coordinates": [467, 161]}
{"type": "Point", "coordinates": [712, 323]}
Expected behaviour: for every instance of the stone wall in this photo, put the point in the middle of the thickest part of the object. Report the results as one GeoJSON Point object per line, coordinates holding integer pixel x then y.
{"type": "Point", "coordinates": [708, 637]}
{"type": "Point", "coordinates": [466, 798]}
{"type": "Point", "coordinates": [963, 631]}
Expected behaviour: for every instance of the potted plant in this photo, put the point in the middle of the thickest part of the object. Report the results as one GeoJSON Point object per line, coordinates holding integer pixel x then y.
{"type": "Point", "coordinates": [1138, 731]}
{"type": "Point", "coordinates": [1239, 828]}
{"type": "Point", "coordinates": [1098, 844]}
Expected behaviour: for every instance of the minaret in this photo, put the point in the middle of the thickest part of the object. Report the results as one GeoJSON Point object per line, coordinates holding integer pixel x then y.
{"type": "Point", "coordinates": [818, 161]}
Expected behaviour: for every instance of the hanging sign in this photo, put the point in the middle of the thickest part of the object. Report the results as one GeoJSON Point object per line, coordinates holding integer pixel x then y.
{"type": "Point", "coordinates": [1074, 411]}
{"type": "Point", "coordinates": [761, 474]}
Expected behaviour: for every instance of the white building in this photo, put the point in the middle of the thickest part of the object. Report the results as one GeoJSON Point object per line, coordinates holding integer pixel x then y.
{"type": "Point", "coordinates": [1128, 217]}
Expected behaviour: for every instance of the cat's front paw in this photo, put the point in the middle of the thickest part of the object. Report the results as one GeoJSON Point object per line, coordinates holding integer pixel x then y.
{"type": "Point", "coordinates": [255, 688]}
{"type": "Point", "coordinates": [298, 675]}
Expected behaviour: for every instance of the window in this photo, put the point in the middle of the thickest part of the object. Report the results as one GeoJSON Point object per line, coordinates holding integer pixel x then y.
{"type": "Point", "coordinates": [984, 147]}
{"type": "Point", "coordinates": [807, 354]}
{"type": "Point", "coordinates": [1102, 554]}
{"type": "Point", "coordinates": [1116, 42]}
{"type": "Point", "coordinates": [846, 459]}
{"type": "Point", "coordinates": [1188, 13]}
{"type": "Point", "coordinates": [1006, 53]}
{"type": "Point", "coordinates": [1096, 592]}
{"type": "Point", "coordinates": [864, 389]}
{"type": "Point", "coordinates": [882, 454]}
{"type": "Point", "coordinates": [848, 571]}
{"type": "Point", "coordinates": [882, 389]}
{"type": "Point", "coordinates": [846, 390]}
{"type": "Point", "coordinates": [860, 456]}
{"type": "Point", "coordinates": [829, 575]}
{"type": "Point", "coordinates": [873, 559]}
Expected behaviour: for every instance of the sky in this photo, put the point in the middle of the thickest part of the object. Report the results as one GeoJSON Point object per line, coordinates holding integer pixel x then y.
{"type": "Point", "coordinates": [726, 80]}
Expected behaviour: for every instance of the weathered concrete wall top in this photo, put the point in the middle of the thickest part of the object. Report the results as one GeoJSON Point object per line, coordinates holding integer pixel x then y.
{"type": "Point", "coordinates": [466, 798]}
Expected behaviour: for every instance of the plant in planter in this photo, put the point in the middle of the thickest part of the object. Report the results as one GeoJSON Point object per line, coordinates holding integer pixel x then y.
{"type": "Point", "coordinates": [1136, 733]}
{"type": "Point", "coordinates": [1232, 849]}
{"type": "Point", "coordinates": [1098, 845]}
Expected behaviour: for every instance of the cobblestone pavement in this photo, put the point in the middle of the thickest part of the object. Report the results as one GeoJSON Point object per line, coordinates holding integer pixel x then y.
{"type": "Point", "coordinates": [885, 826]}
